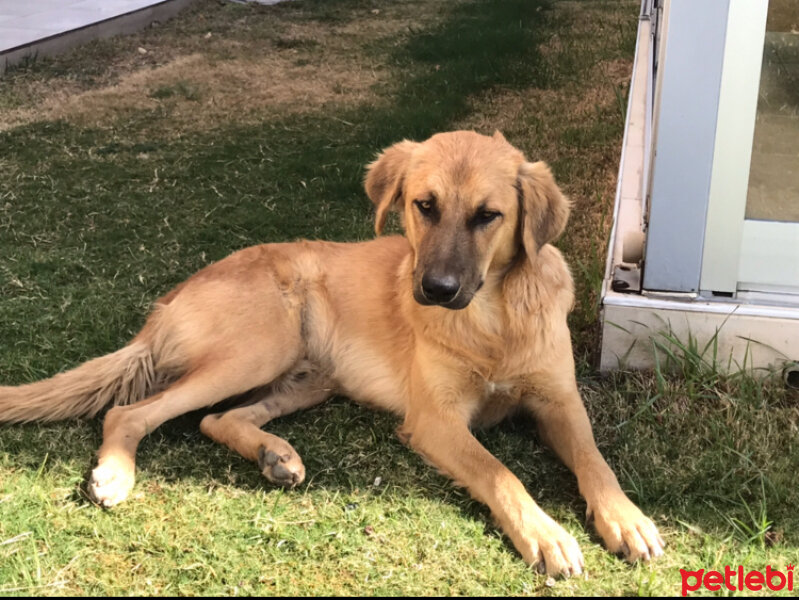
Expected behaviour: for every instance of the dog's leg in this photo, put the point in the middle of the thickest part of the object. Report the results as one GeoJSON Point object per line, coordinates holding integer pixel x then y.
{"type": "Point", "coordinates": [208, 383]}
{"type": "Point", "coordinates": [564, 426]}
{"type": "Point", "coordinates": [444, 439]}
{"type": "Point", "coordinates": [239, 429]}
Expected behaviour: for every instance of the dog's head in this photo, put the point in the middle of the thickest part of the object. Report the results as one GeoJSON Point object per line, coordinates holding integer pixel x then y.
{"type": "Point", "coordinates": [471, 205]}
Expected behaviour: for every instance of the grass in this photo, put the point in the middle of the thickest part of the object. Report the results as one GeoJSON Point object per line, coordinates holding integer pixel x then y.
{"type": "Point", "coordinates": [126, 171]}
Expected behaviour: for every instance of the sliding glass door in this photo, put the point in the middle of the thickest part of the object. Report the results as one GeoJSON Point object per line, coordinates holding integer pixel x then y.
{"type": "Point", "coordinates": [770, 244]}
{"type": "Point", "coordinates": [752, 231]}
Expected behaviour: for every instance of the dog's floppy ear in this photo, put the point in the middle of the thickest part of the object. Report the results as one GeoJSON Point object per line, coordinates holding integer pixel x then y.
{"type": "Point", "coordinates": [544, 209]}
{"type": "Point", "coordinates": [384, 179]}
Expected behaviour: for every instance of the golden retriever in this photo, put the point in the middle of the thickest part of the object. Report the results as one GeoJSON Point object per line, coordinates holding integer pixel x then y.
{"type": "Point", "coordinates": [457, 323]}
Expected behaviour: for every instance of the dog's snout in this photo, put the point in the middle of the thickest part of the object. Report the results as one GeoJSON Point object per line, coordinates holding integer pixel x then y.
{"type": "Point", "coordinates": [440, 288]}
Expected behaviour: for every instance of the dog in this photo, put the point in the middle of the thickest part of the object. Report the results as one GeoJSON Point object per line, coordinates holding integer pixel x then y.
{"type": "Point", "coordinates": [456, 324]}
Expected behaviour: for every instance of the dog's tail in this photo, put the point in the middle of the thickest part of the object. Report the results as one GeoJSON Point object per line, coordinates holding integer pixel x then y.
{"type": "Point", "coordinates": [123, 377]}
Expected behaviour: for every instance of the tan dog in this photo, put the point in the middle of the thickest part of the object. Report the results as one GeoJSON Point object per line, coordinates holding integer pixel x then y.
{"type": "Point", "coordinates": [456, 324]}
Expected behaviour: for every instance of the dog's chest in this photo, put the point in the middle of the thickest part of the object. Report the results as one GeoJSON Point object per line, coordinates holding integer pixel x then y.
{"type": "Point", "coordinates": [497, 387]}
{"type": "Point", "coordinates": [499, 400]}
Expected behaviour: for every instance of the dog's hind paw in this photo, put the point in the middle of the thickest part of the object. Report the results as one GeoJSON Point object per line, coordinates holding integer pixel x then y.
{"type": "Point", "coordinates": [284, 469]}
{"type": "Point", "coordinates": [110, 483]}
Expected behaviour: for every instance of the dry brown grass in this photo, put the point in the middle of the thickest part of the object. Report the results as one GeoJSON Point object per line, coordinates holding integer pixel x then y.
{"type": "Point", "coordinates": [208, 69]}
{"type": "Point", "coordinates": [251, 70]}
{"type": "Point", "coordinates": [196, 92]}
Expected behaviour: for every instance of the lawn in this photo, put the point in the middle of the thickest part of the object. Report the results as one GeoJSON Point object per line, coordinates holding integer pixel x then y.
{"type": "Point", "coordinates": [128, 164]}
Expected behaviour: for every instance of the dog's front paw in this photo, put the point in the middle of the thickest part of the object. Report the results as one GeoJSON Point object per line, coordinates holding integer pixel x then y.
{"type": "Point", "coordinates": [552, 550]}
{"type": "Point", "coordinates": [284, 468]}
{"type": "Point", "coordinates": [625, 530]}
{"type": "Point", "coordinates": [111, 481]}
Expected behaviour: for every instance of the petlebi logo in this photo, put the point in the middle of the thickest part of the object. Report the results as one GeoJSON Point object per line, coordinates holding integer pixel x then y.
{"type": "Point", "coordinates": [737, 579]}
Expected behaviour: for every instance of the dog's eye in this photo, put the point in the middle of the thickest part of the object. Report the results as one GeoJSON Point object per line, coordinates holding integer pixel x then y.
{"type": "Point", "coordinates": [425, 207]}
{"type": "Point", "coordinates": [484, 217]}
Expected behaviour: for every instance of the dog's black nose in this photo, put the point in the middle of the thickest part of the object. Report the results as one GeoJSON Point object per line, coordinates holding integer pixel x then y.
{"type": "Point", "coordinates": [440, 289]}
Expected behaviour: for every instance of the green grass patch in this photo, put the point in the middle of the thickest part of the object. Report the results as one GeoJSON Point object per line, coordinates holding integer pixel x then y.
{"type": "Point", "coordinates": [98, 221]}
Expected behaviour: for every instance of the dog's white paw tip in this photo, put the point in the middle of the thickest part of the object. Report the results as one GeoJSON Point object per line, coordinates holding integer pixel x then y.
{"type": "Point", "coordinates": [108, 487]}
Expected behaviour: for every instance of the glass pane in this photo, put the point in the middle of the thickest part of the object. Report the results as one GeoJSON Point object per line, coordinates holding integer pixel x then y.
{"type": "Point", "coordinates": [774, 175]}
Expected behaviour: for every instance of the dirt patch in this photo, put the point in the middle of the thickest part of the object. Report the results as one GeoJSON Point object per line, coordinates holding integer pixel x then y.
{"type": "Point", "coordinates": [198, 92]}
{"type": "Point", "coordinates": [199, 73]}
{"type": "Point", "coordinates": [618, 70]}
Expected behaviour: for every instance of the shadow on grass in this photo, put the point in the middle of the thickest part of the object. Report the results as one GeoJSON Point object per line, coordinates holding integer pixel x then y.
{"type": "Point", "coordinates": [103, 209]}
{"type": "Point", "coordinates": [114, 211]}
{"type": "Point", "coordinates": [111, 231]}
